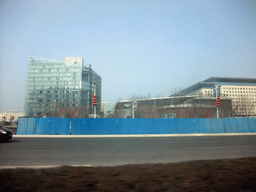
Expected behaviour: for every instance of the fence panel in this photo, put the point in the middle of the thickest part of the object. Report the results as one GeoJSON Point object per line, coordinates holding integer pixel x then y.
{"type": "Point", "coordinates": [22, 126]}
{"type": "Point", "coordinates": [114, 126]}
{"type": "Point", "coordinates": [213, 126]}
{"type": "Point", "coordinates": [236, 125]}
{"type": "Point", "coordinates": [251, 125]}
{"type": "Point", "coordinates": [40, 126]}
{"type": "Point", "coordinates": [90, 126]}
{"type": "Point", "coordinates": [31, 126]}
{"type": "Point", "coordinates": [183, 126]}
{"type": "Point", "coordinates": [62, 126]}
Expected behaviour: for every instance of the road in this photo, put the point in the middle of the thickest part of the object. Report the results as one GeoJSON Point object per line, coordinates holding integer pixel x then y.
{"type": "Point", "coordinates": [31, 151]}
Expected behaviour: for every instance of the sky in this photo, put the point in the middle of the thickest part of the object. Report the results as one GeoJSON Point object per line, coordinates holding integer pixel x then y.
{"type": "Point", "coordinates": [146, 48]}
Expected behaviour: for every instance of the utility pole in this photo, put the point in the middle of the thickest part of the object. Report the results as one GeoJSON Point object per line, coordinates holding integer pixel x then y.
{"type": "Point", "coordinates": [155, 108]}
{"type": "Point", "coordinates": [217, 107]}
{"type": "Point", "coordinates": [132, 109]}
{"type": "Point", "coordinates": [94, 98]}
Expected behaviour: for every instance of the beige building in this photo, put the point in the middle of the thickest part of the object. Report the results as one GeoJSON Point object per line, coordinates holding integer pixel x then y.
{"type": "Point", "coordinates": [243, 99]}
{"type": "Point", "coordinates": [14, 114]}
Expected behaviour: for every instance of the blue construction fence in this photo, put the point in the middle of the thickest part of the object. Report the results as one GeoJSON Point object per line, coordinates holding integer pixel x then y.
{"type": "Point", "coordinates": [87, 126]}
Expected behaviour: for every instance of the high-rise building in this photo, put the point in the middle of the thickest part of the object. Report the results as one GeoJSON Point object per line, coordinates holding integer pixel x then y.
{"type": "Point", "coordinates": [242, 92]}
{"type": "Point", "coordinates": [104, 108]}
{"type": "Point", "coordinates": [52, 85]}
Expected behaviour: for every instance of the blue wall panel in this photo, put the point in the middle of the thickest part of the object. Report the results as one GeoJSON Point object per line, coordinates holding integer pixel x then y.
{"type": "Point", "coordinates": [251, 125]}
{"type": "Point", "coordinates": [91, 126]}
{"type": "Point", "coordinates": [236, 125]}
{"type": "Point", "coordinates": [244, 125]}
{"type": "Point", "coordinates": [182, 126]}
{"type": "Point", "coordinates": [163, 126]}
{"type": "Point", "coordinates": [40, 126]}
{"type": "Point", "coordinates": [31, 126]}
{"type": "Point", "coordinates": [213, 126]}
{"type": "Point", "coordinates": [22, 126]}
{"type": "Point", "coordinates": [62, 126]}
{"type": "Point", "coordinates": [50, 126]}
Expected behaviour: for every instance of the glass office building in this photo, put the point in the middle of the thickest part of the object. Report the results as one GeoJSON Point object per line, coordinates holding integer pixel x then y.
{"type": "Point", "coordinates": [53, 84]}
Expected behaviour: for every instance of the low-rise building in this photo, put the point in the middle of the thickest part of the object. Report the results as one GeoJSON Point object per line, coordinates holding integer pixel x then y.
{"type": "Point", "coordinates": [11, 116]}
{"type": "Point", "coordinates": [242, 92]}
{"type": "Point", "coordinates": [173, 107]}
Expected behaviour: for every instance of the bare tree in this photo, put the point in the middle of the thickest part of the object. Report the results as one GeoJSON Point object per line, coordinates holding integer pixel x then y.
{"type": "Point", "coordinates": [65, 110]}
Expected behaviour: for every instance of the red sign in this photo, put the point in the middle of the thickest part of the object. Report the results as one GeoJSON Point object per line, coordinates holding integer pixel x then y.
{"type": "Point", "coordinates": [218, 101]}
{"type": "Point", "coordinates": [94, 99]}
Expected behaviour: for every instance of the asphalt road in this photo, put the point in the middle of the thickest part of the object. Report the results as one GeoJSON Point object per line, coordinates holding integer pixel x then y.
{"type": "Point", "coordinates": [125, 150]}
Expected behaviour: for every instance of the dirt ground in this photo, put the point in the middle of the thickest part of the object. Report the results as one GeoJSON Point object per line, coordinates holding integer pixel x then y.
{"type": "Point", "coordinates": [207, 175]}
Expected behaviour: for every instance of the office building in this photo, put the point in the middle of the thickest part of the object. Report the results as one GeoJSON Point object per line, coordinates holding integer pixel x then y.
{"type": "Point", "coordinates": [60, 85]}
{"type": "Point", "coordinates": [242, 92]}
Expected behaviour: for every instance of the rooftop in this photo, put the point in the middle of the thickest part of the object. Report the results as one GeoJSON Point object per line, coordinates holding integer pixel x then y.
{"type": "Point", "coordinates": [211, 82]}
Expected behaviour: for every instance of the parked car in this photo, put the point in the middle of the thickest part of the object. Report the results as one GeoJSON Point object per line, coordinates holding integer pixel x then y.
{"type": "Point", "coordinates": [5, 134]}
{"type": "Point", "coordinates": [7, 123]}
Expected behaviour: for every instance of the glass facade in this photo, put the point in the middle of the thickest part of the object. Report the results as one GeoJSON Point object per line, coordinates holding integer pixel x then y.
{"type": "Point", "coordinates": [53, 84]}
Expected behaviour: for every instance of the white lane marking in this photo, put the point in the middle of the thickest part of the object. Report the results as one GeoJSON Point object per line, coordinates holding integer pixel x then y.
{"type": "Point", "coordinates": [131, 135]}
{"type": "Point", "coordinates": [42, 166]}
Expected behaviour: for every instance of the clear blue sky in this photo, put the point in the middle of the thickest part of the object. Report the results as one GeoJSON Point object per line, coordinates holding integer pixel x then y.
{"type": "Point", "coordinates": [137, 47]}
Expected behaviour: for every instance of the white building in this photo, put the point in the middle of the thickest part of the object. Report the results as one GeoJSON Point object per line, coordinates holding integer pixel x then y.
{"type": "Point", "coordinates": [104, 108]}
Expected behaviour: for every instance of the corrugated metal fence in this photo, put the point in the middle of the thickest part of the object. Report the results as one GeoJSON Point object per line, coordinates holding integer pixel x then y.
{"type": "Point", "coordinates": [85, 126]}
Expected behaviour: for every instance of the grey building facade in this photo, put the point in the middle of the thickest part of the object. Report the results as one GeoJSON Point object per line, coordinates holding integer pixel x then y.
{"type": "Point", "coordinates": [53, 85]}
{"type": "Point", "coordinates": [241, 91]}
